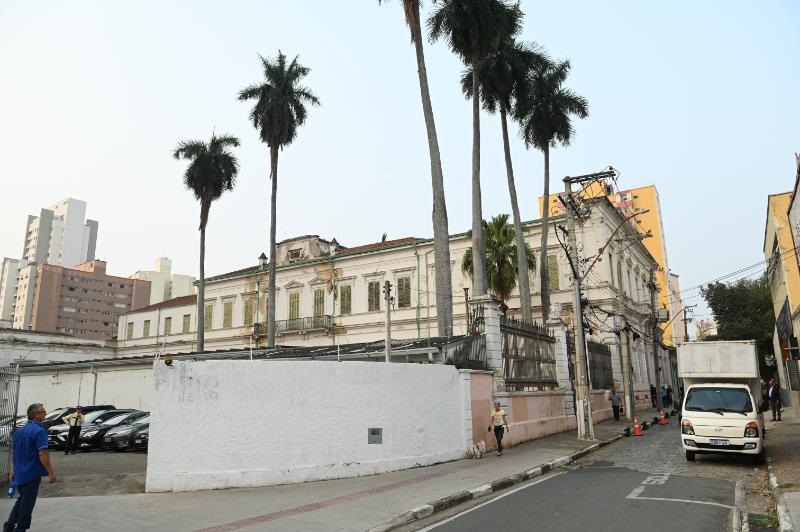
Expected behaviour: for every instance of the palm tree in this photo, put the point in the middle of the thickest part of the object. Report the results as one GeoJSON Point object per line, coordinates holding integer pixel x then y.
{"type": "Point", "coordinates": [280, 109]}
{"type": "Point", "coordinates": [502, 74]}
{"type": "Point", "coordinates": [501, 258]}
{"type": "Point", "coordinates": [211, 172]}
{"type": "Point", "coordinates": [441, 234]}
{"type": "Point", "coordinates": [544, 112]}
{"type": "Point", "coordinates": [473, 29]}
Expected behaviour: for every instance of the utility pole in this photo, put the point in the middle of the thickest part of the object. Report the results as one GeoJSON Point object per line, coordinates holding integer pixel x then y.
{"type": "Point", "coordinates": [625, 347]}
{"type": "Point", "coordinates": [656, 331]}
{"type": "Point", "coordinates": [466, 309]}
{"type": "Point", "coordinates": [686, 319]}
{"type": "Point", "coordinates": [387, 296]}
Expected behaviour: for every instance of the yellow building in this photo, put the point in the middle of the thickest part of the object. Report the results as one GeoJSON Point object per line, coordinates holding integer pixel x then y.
{"type": "Point", "coordinates": [645, 201]}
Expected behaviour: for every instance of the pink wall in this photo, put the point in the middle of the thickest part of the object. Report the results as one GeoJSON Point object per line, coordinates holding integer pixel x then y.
{"type": "Point", "coordinates": [480, 387]}
{"type": "Point", "coordinates": [533, 415]}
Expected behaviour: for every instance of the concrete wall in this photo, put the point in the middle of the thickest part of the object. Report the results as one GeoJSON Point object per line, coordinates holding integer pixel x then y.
{"type": "Point", "coordinates": [24, 347]}
{"type": "Point", "coordinates": [533, 415]}
{"type": "Point", "coordinates": [259, 427]}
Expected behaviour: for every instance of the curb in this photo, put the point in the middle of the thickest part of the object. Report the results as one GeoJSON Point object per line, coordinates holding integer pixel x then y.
{"type": "Point", "coordinates": [784, 518]}
{"type": "Point", "coordinates": [484, 490]}
{"type": "Point", "coordinates": [740, 521]}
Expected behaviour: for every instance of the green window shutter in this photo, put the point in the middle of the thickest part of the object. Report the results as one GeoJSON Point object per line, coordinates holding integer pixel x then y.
{"type": "Point", "coordinates": [346, 299]}
{"type": "Point", "coordinates": [129, 332]}
{"type": "Point", "coordinates": [552, 266]}
{"type": "Point", "coordinates": [227, 314]}
{"type": "Point", "coordinates": [249, 311]}
{"type": "Point", "coordinates": [373, 296]}
{"type": "Point", "coordinates": [146, 332]}
{"type": "Point", "coordinates": [187, 322]}
{"type": "Point", "coordinates": [294, 305]}
{"type": "Point", "coordinates": [319, 302]}
{"type": "Point", "coordinates": [208, 316]}
{"type": "Point", "coordinates": [404, 292]}
{"type": "Point", "coordinates": [167, 326]}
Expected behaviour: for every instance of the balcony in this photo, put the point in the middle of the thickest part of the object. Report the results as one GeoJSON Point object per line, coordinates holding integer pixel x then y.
{"type": "Point", "coordinates": [315, 323]}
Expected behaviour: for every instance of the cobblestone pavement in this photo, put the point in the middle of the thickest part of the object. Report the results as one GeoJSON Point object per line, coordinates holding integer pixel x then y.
{"type": "Point", "coordinates": [659, 451]}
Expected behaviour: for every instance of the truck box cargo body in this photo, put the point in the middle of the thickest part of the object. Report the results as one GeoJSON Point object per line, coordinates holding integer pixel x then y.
{"type": "Point", "coordinates": [722, 393]}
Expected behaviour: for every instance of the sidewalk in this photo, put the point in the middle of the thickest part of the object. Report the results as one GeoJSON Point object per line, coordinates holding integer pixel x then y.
{"type": "Point", "coordinates": [363, 503]}
{"type": "Point", "coordinates": [783, 449]}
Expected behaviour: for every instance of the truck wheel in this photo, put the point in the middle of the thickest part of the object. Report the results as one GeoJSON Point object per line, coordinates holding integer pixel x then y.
{"type": "Point", "coordinates": [690, 456]}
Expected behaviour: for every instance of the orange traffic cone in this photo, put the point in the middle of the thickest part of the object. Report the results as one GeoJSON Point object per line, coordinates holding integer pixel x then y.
{"type": "Point", "coordinates": [637, 430]}
{"type": "Point", "coordinates": [663, 420]}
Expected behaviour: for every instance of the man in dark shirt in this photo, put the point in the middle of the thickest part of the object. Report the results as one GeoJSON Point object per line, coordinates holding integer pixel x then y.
{"type": "Point", "coordinates": [775, 399]}
{"type": "Point", "coordinates": [31, 463]}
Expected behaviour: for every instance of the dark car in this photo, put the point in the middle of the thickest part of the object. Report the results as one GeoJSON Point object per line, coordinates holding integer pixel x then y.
{"type": "Point", "coordinates": [56, 416]}
{"type": "Point", "coordinates": [57, 434]}
{"type": "Point", "coordinates": [141, 439]}
{"type": "Point", "coordinates": [92, 436]}
{"type": "Point", "coordinates": [121, 437]}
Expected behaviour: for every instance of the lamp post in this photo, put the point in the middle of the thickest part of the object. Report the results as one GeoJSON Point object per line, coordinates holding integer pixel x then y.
{"type": "Point", "coordinates": [262, 265]}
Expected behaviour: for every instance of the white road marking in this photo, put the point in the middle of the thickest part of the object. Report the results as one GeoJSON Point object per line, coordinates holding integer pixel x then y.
{"type": "Point", "coordinates": [637, 491]}
{"type": "Point", "coordinates": [538, 481]}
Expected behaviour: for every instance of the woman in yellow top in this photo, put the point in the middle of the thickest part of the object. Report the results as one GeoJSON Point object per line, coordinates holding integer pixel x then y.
{"type": "Point", "coordinates": [499, 421]}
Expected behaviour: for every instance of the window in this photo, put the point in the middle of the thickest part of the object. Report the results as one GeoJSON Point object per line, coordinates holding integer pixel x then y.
{"type": "Point", "coordinates": [346, 301]}
{"type": "Point", "coordinates": [69, 309]}
{"type": "Point", "coordinates": [374, 296]}
{"type": "Point", "coordinates": [404, 292]}
{"type": "Point", "coordinates": [552, 266]}
{"type": "Point", "coordinates": [295, 254]}
{"type": "Point", "coordinates": [319, 302]}
{"type": "Point", "coordinates": [249, 310]}
{"type": "Point", "coordinates": [294, 305]}
{"type": "Point", "coordinates": [611, 269]}
{"type": "Point", "coordinates": [146, 332]}
{"type": "Point", "coordinates": [167, 326]}
{"type": "Point", "coordinates": [187, 318]}
{"type": "Point", "coordinates": [208, 316]}
{"type": "Point", "coordinates": [227, 314]}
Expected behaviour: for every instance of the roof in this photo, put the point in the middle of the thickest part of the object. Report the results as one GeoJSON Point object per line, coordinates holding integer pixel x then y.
{"type": "Point", "coordinates": [169, 303]}
{"type": "Point", "coordinates": [382, 245]}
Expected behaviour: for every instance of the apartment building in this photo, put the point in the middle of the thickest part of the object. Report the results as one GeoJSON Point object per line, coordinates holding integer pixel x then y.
{"type": "Point", "coordinates": [164, 284]}
{"type": "Point", "coordinates": [61, 235]}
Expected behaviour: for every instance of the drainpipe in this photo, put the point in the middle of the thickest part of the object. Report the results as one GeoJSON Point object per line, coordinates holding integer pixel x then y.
{"type": "Point", "coordinates": [416, 254]}
{"type": "Point", "coordinates": [94, 391]}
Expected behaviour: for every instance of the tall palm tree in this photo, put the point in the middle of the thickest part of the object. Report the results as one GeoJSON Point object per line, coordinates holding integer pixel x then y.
{"type": "Point", "coordinates": [473, 29]}
{"type": "Point", "coordinates": [212, 171]}
{"type": "Point", "coordinates": [280, 109]}
{"type": "Point", "coordinates": [501, 258]}
{"type": "Point", "coordinates": [544, 112]}
{"type": "Point", "coordinates": [441, 234]}
{"type": "Point", "coordinates": [502, 74]}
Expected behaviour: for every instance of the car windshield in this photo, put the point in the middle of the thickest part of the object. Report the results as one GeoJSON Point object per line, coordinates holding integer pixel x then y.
{"type": "Point", "coordinates": [142, 420]}
{"type": "Point", "coordinates": [116, 420]}
{"type": "Point", "coordinates": [92, 416]}
{"type": "Point", "coordinates": [719, 399]}
{"type": "Point", "coordinates": [55, 414]}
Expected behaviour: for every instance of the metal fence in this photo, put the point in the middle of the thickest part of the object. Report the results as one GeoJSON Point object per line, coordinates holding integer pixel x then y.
{"type": "Point", "coordinates": [470, 351]}
{"type": "Point", "coordinates": [9, 410]}
{"type": "Point", "coordinates": [600, 373]}
{"type": "Point", "coordinates": [528, 355]}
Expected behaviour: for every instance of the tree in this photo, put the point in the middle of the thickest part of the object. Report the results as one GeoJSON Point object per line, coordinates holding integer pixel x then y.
{"type": "Point", "coordinates": [544, 112]}
{"type": "Point", "coordinates": [743, 311]}
{"type": "Point", "coordinates": [473, 29]}
{"type": "Point", "coordinates": [212, 171]}
{"type": "Point", "coordinates": [279, 111]}
{"type": "Point", "coordinates": [501, 75]}
{"type": "Point", "coordinates": [441, 232]}
{"type": "Point", "coordinates": [501, 258]}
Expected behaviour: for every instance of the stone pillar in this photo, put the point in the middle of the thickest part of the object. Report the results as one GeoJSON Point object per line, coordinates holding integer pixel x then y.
{"type": "Point", "coordinates": [562, 366]}
{"type": "Point", "coordinates": [616, 367]}
{"type": "Point", "coordinates": [466, 407]}
{"type": "Point", "coordinates": [494, 338]}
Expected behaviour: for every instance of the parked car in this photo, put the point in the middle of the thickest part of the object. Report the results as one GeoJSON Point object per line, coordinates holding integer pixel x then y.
{"type": "Point", "coordinates": [56, 416]}
{"type": "Point", "coordinates": [141, 439]}
{"type": "Point", "coordinates": [57, 434]}
{"type": "Point", "coordinates": [92, 436]}
{"type": "Point", "coordinates": [121, 437]}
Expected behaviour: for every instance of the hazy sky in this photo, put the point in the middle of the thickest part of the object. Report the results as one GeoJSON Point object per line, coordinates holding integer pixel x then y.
{"type": "Point", "coordinates": [698, 98]}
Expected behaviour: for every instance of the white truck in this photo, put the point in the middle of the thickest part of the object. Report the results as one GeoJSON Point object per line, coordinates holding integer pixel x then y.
{"type": "Point", "coordinates": [722, 395]}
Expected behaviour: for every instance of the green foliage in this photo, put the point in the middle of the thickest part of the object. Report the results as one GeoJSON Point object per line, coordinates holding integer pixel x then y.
{"type": "Point", "coordinates": [743, 311]}
{"type": "Point", "coordinates": [501, 257]}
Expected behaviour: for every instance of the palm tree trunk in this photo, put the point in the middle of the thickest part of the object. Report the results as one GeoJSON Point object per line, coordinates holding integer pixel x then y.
{"type": "Point", "coordinates": [273, 175]}
{"type": "Point", "coordinates": [522, 259]}
{"type": "Point", "coordinates": [478, 247]}
{"type": "Point", "coordinates": [441, 234]}
{"type": "Point", "coordinates": [201, 285]}
{"type": "Point", "coordinates": [544, 265]}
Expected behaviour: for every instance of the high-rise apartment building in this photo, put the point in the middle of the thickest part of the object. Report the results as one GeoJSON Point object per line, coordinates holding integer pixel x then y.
{"type": "Point", "coordinates": [83, 301]}
{"type": "Point", "coordinates": [61, 235]}
{"type": "Point", "coordinates": [9, 280]}
{"type": "Point", "coordinates": [164, 284]}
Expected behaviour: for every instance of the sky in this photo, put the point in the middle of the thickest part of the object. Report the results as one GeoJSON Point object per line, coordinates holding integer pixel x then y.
{"type": "Point", "coordinates": [698, 98]}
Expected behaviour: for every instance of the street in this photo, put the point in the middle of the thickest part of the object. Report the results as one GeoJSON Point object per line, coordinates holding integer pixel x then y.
{"type": "Point", "coordinates": [622, 486]}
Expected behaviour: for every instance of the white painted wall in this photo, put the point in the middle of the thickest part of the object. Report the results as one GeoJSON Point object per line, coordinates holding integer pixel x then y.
{"type": "Point", "coordinates": [265, 423]}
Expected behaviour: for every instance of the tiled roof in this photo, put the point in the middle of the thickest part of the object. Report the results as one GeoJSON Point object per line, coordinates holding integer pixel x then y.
{"type": "Point", "coordinates": [381, 245]}
{"type": "Point", "coordinates": [169, 303]}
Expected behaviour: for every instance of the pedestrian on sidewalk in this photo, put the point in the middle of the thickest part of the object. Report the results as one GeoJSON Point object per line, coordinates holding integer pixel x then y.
{"type": "Point", "coordinates": [669, 395]}
{"type": "Point", "coordinates": [75, 422]}
{"type": "Point", "coordinates": [500, 424]}
{"type": "Point", "coordinates": [616, 402]}
{"type": "Point", "coordinates": [31, 462]}
{"type": "Point", "coordinates": [663, 396]}
{"type": "Point", "coordinates": [775, 399]}
{"type": "Point", "coordinates": [653, 392]}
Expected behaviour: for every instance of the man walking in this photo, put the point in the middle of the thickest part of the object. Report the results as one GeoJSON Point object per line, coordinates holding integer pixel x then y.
{"type": "Point", "coordinates": [75, 421]}
{"type": "Point", "coordinates": [616, 402]}
{"type": "Point", "coordinates": [31, 463]}
{"type": "Point", "coordinates": [653, 392]}
{"type": "Point", "coordinates": [775, 399]}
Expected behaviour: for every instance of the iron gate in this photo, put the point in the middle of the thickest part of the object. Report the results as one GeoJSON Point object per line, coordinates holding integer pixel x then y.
{"type": "Point", "coordinates": [9, 398]}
